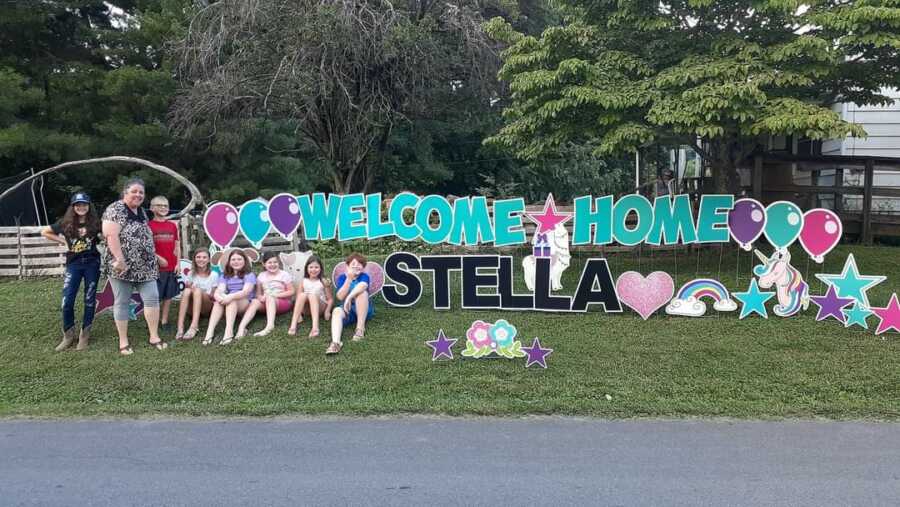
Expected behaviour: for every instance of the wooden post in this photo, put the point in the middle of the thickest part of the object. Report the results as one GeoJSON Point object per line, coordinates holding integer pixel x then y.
{"type": "Point", "coordinates": [19, 249]}
{"type": "Point", "coordinates": [838, 196]}
{"type": "Point", "coordinates": [867, 203]}
{"type": "Point", "coordinates": [186, 233]}
{"type": "Point", "coordinates": [757, 177]}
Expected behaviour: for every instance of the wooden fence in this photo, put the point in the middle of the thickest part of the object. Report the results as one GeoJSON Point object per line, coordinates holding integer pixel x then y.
{"type": "Point", "coordinates": [24, 252]}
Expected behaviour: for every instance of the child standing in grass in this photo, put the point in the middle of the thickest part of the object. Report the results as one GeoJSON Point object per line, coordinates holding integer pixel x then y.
{"type": "Point", "coordinates": [165, 242]}
{"type": "Point", "coordinates": [197, 293]}
{"type": "Point", "coordinates": [232, 296]}
{"type": "Point", "coordinates": [274, 290]}
{"type": "Point", "coordinates": [316, 290]}
{"type": "Point", "coordinates": [79, 232]}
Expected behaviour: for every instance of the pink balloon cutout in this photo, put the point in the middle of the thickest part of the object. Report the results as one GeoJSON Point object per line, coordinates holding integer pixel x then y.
{"type": "Point", "coordinates": [822, 230]}
{"type": "Point", "coordinates": [221, 223]}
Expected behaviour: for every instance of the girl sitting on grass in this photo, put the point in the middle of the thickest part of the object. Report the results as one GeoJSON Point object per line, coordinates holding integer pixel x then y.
{"type": "Point", "coordinates": [232, 296]}
{"type": "Point", "coordinates": [274, 290]}
{"type": "Point", "coordinates": [316, 290]}
{"type": "Point", "coordinates": [197, 294]}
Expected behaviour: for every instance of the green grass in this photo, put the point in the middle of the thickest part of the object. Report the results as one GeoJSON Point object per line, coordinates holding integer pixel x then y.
{"type": "Point", "coordinates": [670, 367]}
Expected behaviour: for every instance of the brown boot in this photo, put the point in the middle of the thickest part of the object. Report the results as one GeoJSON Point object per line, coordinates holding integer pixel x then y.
{"type": "Point", "coordinates": [68, 338]}
{"type": "Point", "coordinates": [84, 338]}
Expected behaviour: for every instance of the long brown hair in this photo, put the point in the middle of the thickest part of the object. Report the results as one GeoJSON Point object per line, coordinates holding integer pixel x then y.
{"type": "Point", "coordinates": [229, 271]}
{"type": "Point", "coordinates": [194, 269]}
{"type": "Point", "coordinates": [70, 223]}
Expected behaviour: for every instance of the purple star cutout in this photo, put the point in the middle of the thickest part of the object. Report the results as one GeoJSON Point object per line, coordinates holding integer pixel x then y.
{"type": "Point", "coordinates": [105, 301]}
{"type": "Point", "coordinates": [104, 298]}
{"type": "Point", "coordinates": [537, 354]}
{"type": "Point", "coordinates": [830, 305]}
{"type": "Point", "coordinates": [441, 346]}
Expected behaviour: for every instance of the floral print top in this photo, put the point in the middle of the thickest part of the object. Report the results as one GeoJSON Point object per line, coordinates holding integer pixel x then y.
{"type": "Point", "coordinates": [136, 239]}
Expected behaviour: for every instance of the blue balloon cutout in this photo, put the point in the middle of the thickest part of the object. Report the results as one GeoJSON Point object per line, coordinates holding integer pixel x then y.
{"type": "Point", "coordinates": [253, 218]}
{"type": "Point", "coordinates": [784, 220]}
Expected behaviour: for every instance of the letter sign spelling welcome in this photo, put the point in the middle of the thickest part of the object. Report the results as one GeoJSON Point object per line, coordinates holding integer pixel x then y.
{"type": "Point", "coordinates": [487, 280]}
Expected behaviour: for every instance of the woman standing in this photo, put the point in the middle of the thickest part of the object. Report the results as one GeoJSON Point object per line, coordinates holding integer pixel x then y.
{"type": "Point", "coordinates": [131, 262]}
{"type": "Point", "coordinates": [79, 232]}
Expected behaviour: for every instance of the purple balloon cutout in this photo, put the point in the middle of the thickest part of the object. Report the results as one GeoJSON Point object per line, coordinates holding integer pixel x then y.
{"type": "Point", "coordinates": [746, 222]}
{"type": "Point", "coordinates": [284, 213]}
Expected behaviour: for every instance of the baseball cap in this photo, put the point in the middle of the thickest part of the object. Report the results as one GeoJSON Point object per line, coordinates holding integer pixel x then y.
{"type": "Point", "coordinates": [80, 197]}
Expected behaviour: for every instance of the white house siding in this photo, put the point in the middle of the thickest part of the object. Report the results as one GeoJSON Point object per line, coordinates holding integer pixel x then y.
{"type": "Point", "coordinates": [882, 124]}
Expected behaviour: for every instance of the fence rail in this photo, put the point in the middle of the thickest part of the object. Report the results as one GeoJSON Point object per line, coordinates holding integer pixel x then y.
{"type": "Point", "coordinates": [24, 252]}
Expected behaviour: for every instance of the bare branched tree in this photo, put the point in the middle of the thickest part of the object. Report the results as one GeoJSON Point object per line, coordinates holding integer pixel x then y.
{"type": "Point", "coordinates": [344, 72]}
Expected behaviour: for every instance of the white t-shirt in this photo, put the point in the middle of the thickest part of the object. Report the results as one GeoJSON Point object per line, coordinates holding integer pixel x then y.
{"type": "Point", "coordinates": [205, 283]}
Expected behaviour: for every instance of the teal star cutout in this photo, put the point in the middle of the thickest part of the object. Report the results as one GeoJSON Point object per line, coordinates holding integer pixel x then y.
{"type": "Point", "coordinates": [850, 284]}
{"type": "Point", "coordinates": [857, 315]}
{"type": "Point", "coordinates": [753, 301]}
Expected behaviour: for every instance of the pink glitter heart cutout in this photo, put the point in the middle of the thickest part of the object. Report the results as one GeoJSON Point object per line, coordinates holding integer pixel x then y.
{"type": "Point", "coordinates": [645, 295]}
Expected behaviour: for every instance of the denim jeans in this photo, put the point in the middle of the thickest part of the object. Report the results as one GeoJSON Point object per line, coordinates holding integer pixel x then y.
{"type": "Point", "coordinates": [89, 270]}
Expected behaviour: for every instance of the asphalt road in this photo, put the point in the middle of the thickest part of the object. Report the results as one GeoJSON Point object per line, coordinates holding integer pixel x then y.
{"type": "Point", "coordinates": [431, 461]}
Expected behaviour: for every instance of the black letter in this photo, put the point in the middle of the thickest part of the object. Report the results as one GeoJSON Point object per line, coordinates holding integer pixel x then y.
{"type": "Point", "coordinates": [409, 281]}
{"type": "Point", "coordinates": [596, 270]}
{"type": "Point", "coordinates": [441, 266]}
{"type": "Point", "coordinates": [543, 298]}
{"type": "Point", "coordinates": [471, 280]}
{"type": "Point", "coordinates": [509, 300]}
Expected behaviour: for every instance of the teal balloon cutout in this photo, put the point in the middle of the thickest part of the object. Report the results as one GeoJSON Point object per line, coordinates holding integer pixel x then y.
{"type": "Point", "coordinates": [254, 220]}
{"type": "Point", "coordinates": [784, 220]}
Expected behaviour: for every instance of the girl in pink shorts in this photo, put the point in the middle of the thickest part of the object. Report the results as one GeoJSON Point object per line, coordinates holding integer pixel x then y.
{"type": "Point", "coordinates": [274, 290]}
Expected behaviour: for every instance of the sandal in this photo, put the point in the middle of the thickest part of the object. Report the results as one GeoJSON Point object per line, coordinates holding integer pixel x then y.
{"type": "Point", "coordinates": [179, 336]}
{"type": "Point", "coordinates": [226, 340]}
{"type": "Point", "coordinates": [332, 349]}
{"type": "Point", "coordinates": [207, 340]}
{"type": "Point", "coordinates": [160, 345]}
{"type": "Point", "coordinates": [264, 332]}
{"type": "Point", "coordinates": [292, 331]}
{"type": "Point", "coordinates": [191, 333]}
{"type": "Point", "coordinates": [314, 333]}
{"type": "Point", "coordinates": [359, 334]}
{"type": "Point", "coordinates": [126, 350]}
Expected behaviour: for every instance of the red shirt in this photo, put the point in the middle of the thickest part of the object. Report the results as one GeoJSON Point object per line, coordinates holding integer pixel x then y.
{"type": "Point", "coordinates": [165, 234]}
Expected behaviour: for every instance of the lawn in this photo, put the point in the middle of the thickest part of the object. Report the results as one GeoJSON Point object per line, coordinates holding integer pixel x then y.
{"type": "Point", "coordinates": [603, 365]}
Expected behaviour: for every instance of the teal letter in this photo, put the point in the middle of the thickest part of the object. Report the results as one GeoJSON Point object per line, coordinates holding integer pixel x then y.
{"type": "Point", "coordinates": [593, 222]}
{"type": "Point", "coordinates": [375, 227]}
{"type": "Point", "coordinates": [641, 206]}
{"type": "Point", "coordinates": [712, 219]}
{"type": "Point", "coordinates": [671, 217]}
{"type": "Point", "coordinates": [399, 204]}
{"type": "Point", "coordinates": [445, 219]}
{"type": "Point", "coordinates": [508, 222]}
{"type": "Point", "coordinates": [471, 217]}
{"type": "Point", "coordinates": [350, 224]}
{"type": "Point", "coordinates": [319, 216]}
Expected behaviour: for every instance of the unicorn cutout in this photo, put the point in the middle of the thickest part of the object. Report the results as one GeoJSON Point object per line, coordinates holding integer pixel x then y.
{"type": "Point", "coordinates": [560, 258]}
{"type": "Point", "coordinates": [791, 290]}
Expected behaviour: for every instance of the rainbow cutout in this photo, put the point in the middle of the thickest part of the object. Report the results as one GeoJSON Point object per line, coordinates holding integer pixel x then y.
{"type": "Point", "coordinates": [688, 302]}
{"type": "Point", "coordinates": [703, 287]}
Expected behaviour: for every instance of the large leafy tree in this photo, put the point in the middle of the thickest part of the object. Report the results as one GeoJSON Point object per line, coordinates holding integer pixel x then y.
{"type": "Point", "coordinates": [346, 73]}
{"type": "Point", "coordinates": [717, 74]}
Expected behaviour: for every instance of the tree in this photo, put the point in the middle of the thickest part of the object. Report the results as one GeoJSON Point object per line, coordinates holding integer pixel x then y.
{"type": "Point", "coordinates": [619, 74]}
{"type": "Point", "coordinates": [345, 72]}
